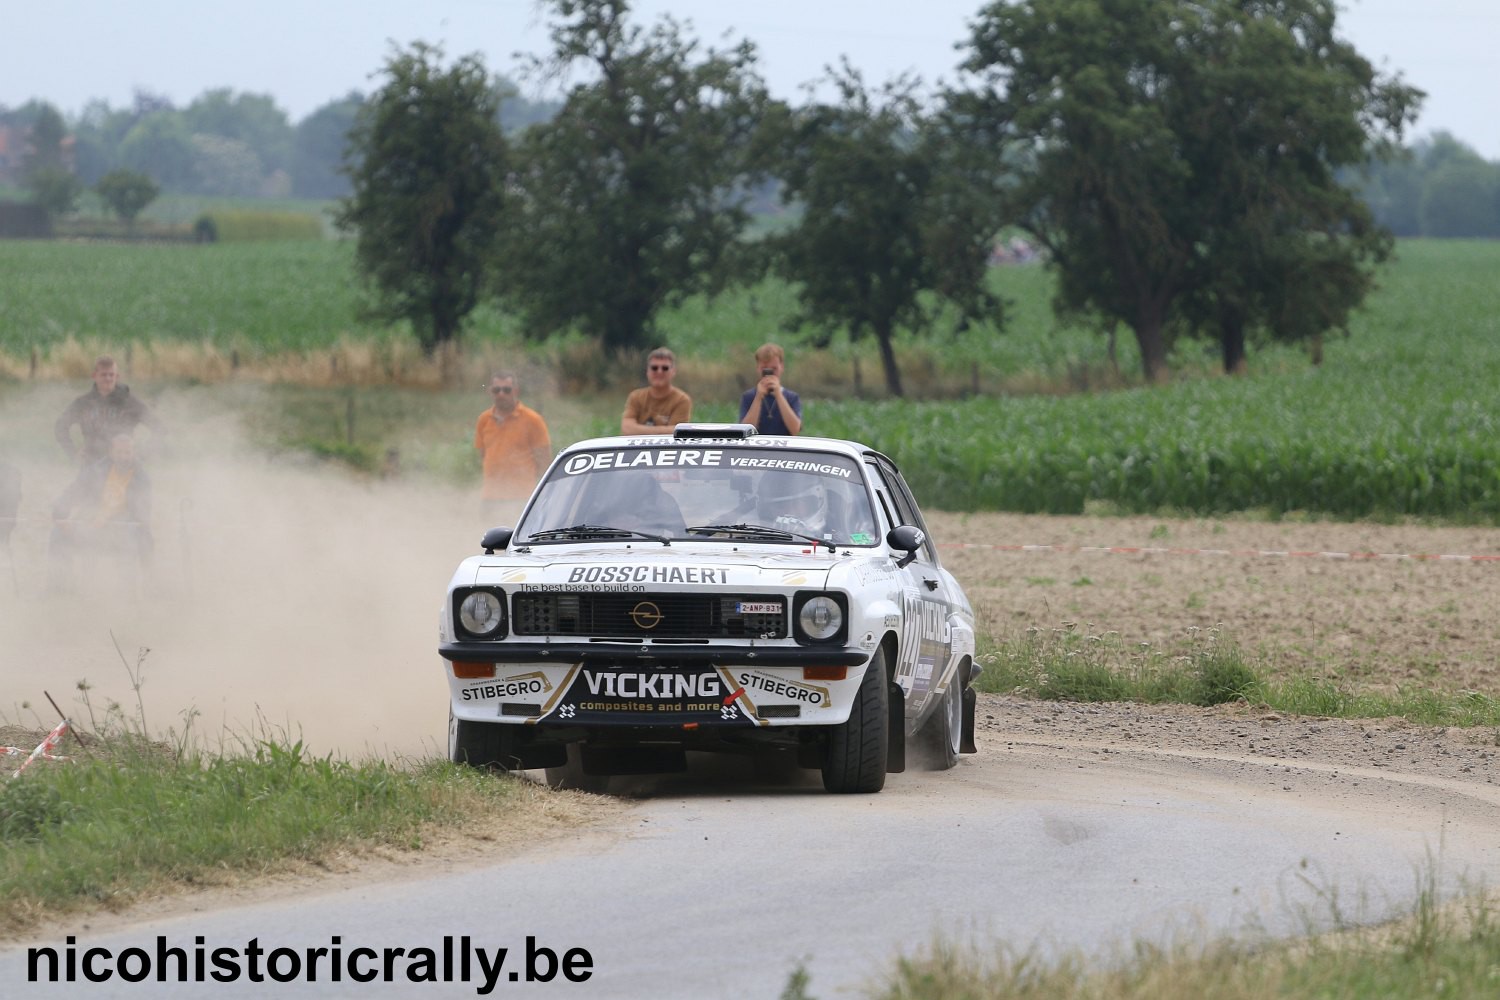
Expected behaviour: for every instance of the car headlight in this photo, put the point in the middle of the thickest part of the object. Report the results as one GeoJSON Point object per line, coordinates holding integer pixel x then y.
{"type": "Point", "coordinates": [481, 615]}
{"type": "Point", "coordinates": [820, 618]}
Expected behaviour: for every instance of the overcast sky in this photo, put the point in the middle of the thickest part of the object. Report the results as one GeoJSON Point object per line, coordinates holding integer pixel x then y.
{"type": "Point", "coordinates": [305, 53]}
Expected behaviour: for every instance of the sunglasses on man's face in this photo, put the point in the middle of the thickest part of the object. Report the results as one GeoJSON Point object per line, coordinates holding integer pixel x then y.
{"type": "Point", "coordinates": [499, 390]}
{"type": "Point", "coordinates": [661, 368]}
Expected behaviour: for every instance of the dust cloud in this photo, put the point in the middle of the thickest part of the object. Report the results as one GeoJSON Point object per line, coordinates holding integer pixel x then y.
{"type": "Point", "coordinates": [286, 598]}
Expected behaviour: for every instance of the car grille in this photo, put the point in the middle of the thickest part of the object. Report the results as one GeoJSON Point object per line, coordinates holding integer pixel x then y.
{"type": "Point", "coordinates": [648, 616]}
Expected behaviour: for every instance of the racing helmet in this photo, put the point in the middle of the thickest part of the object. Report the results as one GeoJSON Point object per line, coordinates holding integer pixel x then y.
{"type": "Point", "coordinates": [793, 501]}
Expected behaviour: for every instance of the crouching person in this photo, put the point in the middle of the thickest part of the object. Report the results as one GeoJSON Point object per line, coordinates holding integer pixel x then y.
{"type": "Point", "coordinates": [104, 513]}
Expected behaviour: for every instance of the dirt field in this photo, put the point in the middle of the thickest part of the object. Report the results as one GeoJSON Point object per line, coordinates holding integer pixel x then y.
{"type": "Point", "coordinates": [1341, 605]}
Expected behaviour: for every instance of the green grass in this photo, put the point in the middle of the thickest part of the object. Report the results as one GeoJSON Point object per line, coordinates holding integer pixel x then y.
{"type": "Point", "coordinates": [257, 298]}
{"type": "Point", "coordinates": [127, 818]}
{"type": "Point", "coordinates": [1435, 951]}
{"type": "Point", "coordinates": [1204, 668]}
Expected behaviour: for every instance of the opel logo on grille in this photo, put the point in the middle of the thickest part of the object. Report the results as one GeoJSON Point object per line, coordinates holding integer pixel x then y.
{"type": "Point", "coordinates": [646, 615]}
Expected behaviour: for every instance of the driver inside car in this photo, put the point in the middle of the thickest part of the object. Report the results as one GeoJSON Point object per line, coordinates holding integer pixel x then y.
{"type": "Point", "coordinates": [794, 502]}
{"type": "Point", "coordinates": [638, 502]}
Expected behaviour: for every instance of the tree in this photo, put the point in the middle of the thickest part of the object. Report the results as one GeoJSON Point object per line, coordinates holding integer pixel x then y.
{"type": "Point", "coordinates": [1287, 247]}
{"type": "Point", "coordinates": [888, 218]}
{"type": "Point", "coordinates": [45, 171]}
{"type": "Point", "coordinates": [626, 201]}
{"type": "Point", "coordinates": [1461, 198]}
{"type": "Point", "coordinates": [56, 190]}
{"type": "Point", "coordinates": [126, 193]}
{"type": "Point", "coordinates": [46, 137]}
{"type": "Point", "coordinates": [98, 133]}
{"type": "Point", "coordinates": [1182, 147]}
{"type": "Point", "coordinates": [223, 166]}
{"type": "Point", "coordinates": [251, 119]}
{"type": "Point", "coordinates": [318, 148]}
{"type": "Point", "coordinates": [160, 146]}
{"type": "Point", "coordinates": [426, 161]}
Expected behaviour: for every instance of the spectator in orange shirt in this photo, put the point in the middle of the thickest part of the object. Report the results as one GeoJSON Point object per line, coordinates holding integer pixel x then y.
{"type": "Point", "coordinates": [514, 447]}
{"type": "Point", "coordinates": [659, 406]}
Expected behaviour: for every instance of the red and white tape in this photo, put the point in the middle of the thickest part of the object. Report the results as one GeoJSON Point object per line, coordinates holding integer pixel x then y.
{"type": "Point", "coordinates": [43, 751]}
{"type": "Point", "coordinates": [1248, 553]}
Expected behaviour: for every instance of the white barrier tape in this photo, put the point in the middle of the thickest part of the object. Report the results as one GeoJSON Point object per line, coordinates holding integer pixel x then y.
{"type": "Point", "coordinates": [18, 752]}
{"type": "Point", "coordinates": [44, 750]}
{"type": "Point", "coordinates": [1252, 553]}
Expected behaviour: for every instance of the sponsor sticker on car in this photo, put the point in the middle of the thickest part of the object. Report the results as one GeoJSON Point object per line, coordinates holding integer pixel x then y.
{"type": "Point", "coordinates": [626, 696]}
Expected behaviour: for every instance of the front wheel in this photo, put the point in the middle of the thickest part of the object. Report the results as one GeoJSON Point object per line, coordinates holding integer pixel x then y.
{"type": "Point", "coordinates": [857, 749]}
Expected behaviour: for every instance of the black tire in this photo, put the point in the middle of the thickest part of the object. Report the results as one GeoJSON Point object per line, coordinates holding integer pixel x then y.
{"type": "Point", "coordinates": [571, 775]}
{"type": "Point", "coordinates": [478, 744]}
{"type": "Point", "coordinates": [857, 749]}
{"type": "Point", "coordinates": [940, 738]}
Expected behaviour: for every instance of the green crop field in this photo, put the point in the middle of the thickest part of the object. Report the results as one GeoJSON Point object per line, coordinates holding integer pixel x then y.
{"type": "Point", "coordinates": [264, 298]}
{"type": "Point", "coordinates": [1400, 419]}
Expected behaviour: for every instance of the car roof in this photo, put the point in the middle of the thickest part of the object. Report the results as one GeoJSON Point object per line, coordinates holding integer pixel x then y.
{"type": "Point", "coordinates": [852, 449]}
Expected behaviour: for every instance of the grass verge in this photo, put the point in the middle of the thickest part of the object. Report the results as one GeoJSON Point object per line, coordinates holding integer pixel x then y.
{"type": "Point", "coordinates": [128, 818]}
{"type": "Point", "coordinates": [1437, 950]}
{"type": "Point", "coordinates": [1069, 663]}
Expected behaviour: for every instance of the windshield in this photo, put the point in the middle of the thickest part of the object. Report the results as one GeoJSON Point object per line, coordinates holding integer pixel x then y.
{"type": "Point", "coordinates": [677, 492]}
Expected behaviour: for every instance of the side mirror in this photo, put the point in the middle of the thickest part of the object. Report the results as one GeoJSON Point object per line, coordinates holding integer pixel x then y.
{"type": "Point", "coordinates": [906, 538]}
{"type": "Point", "coordinates": [495, 538]}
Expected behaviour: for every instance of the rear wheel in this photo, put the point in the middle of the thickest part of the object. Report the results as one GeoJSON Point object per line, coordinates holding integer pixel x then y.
{"type": "Point", "coordinates": [941, 737]}
{"type": "Point", "coordinates": [857, 749]}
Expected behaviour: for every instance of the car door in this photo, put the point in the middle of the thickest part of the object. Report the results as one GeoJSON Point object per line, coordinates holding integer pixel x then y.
{"type": "Point", "coordinates": [928, 652]}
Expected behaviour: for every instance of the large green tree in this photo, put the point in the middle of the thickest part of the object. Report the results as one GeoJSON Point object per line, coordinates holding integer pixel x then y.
{"type": "Point", "coordinates": [1185, 156]}
{"type": "Point", "coordinates": [892, 223]}
{"type": "Point", "coordinates": [627, 200]}
{"type": "Point", "coordinates": [426, 160]}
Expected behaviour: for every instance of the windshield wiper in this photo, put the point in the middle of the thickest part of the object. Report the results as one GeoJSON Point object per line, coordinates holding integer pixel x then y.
{"type": "Point", "coordinates": [594, 531]}
{"type": "Point", "coordinates": [757, 531]}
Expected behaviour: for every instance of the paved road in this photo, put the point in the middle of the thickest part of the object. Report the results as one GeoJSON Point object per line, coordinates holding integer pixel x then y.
{"type": "Point", "coordinates": [713, 886]}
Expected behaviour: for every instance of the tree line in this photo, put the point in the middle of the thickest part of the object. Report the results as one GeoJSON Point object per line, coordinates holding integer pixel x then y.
{"type": "Point", "coordinates": [222, 143]}
{"type": "Point", "coordinates": [1223, 169]}
{"type": "Point", "coordinates": [1178, 162]}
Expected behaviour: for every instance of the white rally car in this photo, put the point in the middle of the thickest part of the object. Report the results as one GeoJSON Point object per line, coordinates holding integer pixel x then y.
{"type": "Point", "coordinates": [710, 590]}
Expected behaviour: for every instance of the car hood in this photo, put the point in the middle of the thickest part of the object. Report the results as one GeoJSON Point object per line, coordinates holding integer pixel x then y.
{"type": "Point", "coordinates": [642, 567]}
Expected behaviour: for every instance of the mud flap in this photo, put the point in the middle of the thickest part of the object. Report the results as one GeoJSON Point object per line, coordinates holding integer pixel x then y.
{"type": "Point", "coordinates": [966, 740]}
{"type": "Point", "coordinates": [895, 751]}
